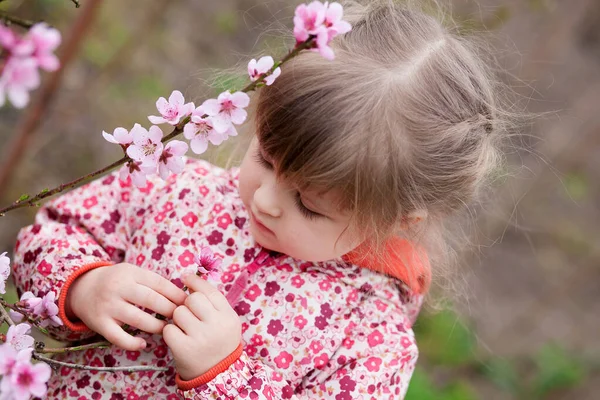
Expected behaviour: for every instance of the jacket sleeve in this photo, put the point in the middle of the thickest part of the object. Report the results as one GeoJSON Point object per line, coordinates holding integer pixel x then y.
{"type": "Point", "coordinates": [86, 228]}
{"type": "Point", "coordinates": [373, 375]}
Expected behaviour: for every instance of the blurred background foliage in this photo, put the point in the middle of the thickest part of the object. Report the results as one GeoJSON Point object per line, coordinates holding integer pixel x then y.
{"type": "Point", "coordinates": [526, 323]}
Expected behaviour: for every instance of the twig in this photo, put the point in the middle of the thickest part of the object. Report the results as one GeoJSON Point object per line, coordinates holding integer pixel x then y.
{"type": "Point", "coordinates": [76, 2]}
{"type": "Point", "coordinates": [5, 315]}
{"type": "Point", "coordinates": [10, 19]}
{"type": "Point", "coordinates": [39, 357]}
{"type": "Point", "coordinates": [33, 201]}
{"type": "Point", "coordinates": [36, 114]}
{"type": "Point", "coordinates": [41, 348]}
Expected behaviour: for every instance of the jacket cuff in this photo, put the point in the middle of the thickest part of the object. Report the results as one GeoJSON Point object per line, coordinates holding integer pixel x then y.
{"type": "Point", "coordinates": [211, 373]}
{"type": "Point", "coordinates": [62, 298]}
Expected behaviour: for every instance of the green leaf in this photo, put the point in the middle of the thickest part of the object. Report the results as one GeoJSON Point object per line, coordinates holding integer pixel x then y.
{"type": "Point", "coordinates": [556, 370]}
{"type": "Point", "coordinates": [23, 197]}
{"type": "Point", "coordinates": [444, 339]}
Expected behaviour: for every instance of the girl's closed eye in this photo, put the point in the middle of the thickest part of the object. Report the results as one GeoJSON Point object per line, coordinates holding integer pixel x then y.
{"type": "Point", "coordinates": [262, 160]}
{"type": "Point", "coordinates": [306, 212]}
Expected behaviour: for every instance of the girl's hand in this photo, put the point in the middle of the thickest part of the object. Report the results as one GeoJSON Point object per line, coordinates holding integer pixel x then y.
{"type": "Point", "coordinates": [205, 331]}
{"type": "Point", "coordinates": [105, 298]}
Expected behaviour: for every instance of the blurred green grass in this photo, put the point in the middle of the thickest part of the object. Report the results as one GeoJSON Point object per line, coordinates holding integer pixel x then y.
{"type": "Point", "coordinates": [453, 365]}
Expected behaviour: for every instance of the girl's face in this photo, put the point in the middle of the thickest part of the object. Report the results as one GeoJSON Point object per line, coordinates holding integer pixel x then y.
{"type": "Point", "coordinates": [304, 225]}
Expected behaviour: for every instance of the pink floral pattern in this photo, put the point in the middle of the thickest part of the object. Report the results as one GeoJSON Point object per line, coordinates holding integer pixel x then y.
{"type": "Point", "coordinates": [310, 330]}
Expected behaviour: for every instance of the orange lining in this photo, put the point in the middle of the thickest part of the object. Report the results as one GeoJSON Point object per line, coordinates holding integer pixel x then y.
{"type": "Point", "coordinates": [62, 298]}
{"type": "Point", "coordinates": [398, 252]}
{"type": "Point", "coordinates": [211, 373]}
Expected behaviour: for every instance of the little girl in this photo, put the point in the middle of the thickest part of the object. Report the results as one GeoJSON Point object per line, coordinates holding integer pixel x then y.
{"type": "Point", "coordinates": [323, 232]}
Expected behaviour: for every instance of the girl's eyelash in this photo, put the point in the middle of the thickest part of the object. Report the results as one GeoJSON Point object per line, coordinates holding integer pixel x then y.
{"type": "Point", "coordinates": [305, 211]}
{"type": "Point", "coordinates": [261, 160]}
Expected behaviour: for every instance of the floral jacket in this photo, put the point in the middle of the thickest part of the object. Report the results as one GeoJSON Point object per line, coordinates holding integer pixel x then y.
{"type": "Point", "coordinates": [310, 330]}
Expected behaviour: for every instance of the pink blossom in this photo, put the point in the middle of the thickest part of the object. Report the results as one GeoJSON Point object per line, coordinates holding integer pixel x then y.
{"type": "Point", "coordinates": [49, 311]}
{"type": "Point", "coordinates": [322, 21]}
{"type": "Point", "coordinates": [8, 38]}
{"type": "Point", "coordinates": [333, 19]}
{"type": "Point", "coordinates": [264, 65]}
{"type": "Point", "coordinates": [32, 303]}
{"type": "Point", "coordinates": [137, 171]}
{"type": "Point", "coordinates": [173, 110]}
{"type": "Point", "coordinates": [17, 336]}
{"type": "Point", "coordinates": [4, 271]}
{"type": "Point", "coordinates": [147, 145]}
{"type": "Point", "coordinates": [20, 75]}
{"type": "Point", "coordinates": [200, 130]}
{"type": "Point", "coordinates": [9, 357]}
{"type": "Point", "coordinates": [119, 136]}
{"type": "Point", "coordinates": [208, 263]}
{"type": "Point", "coordinates": [171, 159]}
{"type": "Point", "coordinates": [308, 20]}
{"type": "Point", "coordinates": [27, 379]}
{"type": "Point", "coordinates": [228, 108]}
{"type": "Point", "coordinates": [40, 43]}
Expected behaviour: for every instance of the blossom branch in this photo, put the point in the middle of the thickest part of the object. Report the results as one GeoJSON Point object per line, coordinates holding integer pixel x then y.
{"type": "Point", "coordinates": [9, 19]}
{"type": "Point", "coordinates": [26, 200]}
{"type": "Point", "coordinates": [4, 315]}
{"type": "Point", "coordinates": [89, 368]}
{"type": "Point", "coordinates": [41, 347]}
{"type": "Point", "coordinates": [14, 307]}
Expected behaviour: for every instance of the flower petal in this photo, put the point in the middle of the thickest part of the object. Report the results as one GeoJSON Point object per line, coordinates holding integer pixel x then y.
{"type": "Point", "coordinates": [155, 134]}
{"type": "Point", "coordinates": [177, 147]}
{"type": "Point", "coordinates": [122, 136]}
{"type": "Point", "coordinates": [251, 68]}
{"type": "Point", "coordinates": [161, 105]}
{"type": "Point", "coordinates": [211, 106]}
{"type": "Point", "coordinates": [189, 130]}
{"type": "Point", "coordinates": [271, 78]}
{"type": "Point", "coordinates": [135, 153]}
{"type": "Point", "coordinates": [176, 98]}
{"type": "Point", "coordinates": [156, 120]}
{"type": "Point", "coordinates": [240, 99]}
{"type": "Point", "coordinates": [238, 116]}
{"type": "Point", "coordinates": [199, 144]}
{"type": "Point", "coordinates": [109, 138]}
{"type": "Point", "coordinates": [265, 64]}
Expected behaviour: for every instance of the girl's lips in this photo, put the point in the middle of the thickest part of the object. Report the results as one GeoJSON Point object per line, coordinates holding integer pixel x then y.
{"type": "Point", "coordinates": [260, 225]}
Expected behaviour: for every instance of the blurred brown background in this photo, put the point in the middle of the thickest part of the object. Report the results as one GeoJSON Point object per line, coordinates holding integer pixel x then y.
{"type": "Point", "coordinates": [529, 327]}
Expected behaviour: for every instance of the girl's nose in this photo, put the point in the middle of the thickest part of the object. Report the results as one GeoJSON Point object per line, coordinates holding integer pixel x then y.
{"type": "Point", "coordinates": [265, 200]}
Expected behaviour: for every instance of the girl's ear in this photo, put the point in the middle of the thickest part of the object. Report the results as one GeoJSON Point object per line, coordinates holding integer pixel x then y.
{"type": "Point", "coordinates": [413, 217]}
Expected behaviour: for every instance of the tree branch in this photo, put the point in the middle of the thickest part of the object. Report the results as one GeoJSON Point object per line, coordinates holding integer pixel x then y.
{"type": "Point", "coordinates": [10, 19]}
{"type": "Point", "coordinates": [26, 200]}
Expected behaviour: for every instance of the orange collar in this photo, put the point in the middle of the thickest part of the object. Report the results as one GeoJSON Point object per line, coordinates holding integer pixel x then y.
{"type": "Point", "coordinates": [400, 259]}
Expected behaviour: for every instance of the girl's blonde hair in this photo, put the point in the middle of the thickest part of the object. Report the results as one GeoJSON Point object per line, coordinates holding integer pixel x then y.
{"type": "Point", "coordinates": [405, 118]}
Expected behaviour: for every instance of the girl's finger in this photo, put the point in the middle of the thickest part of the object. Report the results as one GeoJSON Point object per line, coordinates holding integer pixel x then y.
{"type": "Point", "coordinates": [161, 285]}
{"type": "Point", "coordinates": [216, 298]}
{"type": "Point", "coordinates": [133, 316]}
{"type": "Point", "coordinates": [186, 320]}
{"type": "Point", "coordinates": [117, 336]}
{"type": "Point", "coordinates": [174, 336]}
{"type": "Point", "coordinates": [200, 306]}
{"type": "Point", "coordinates": [141, 295]}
